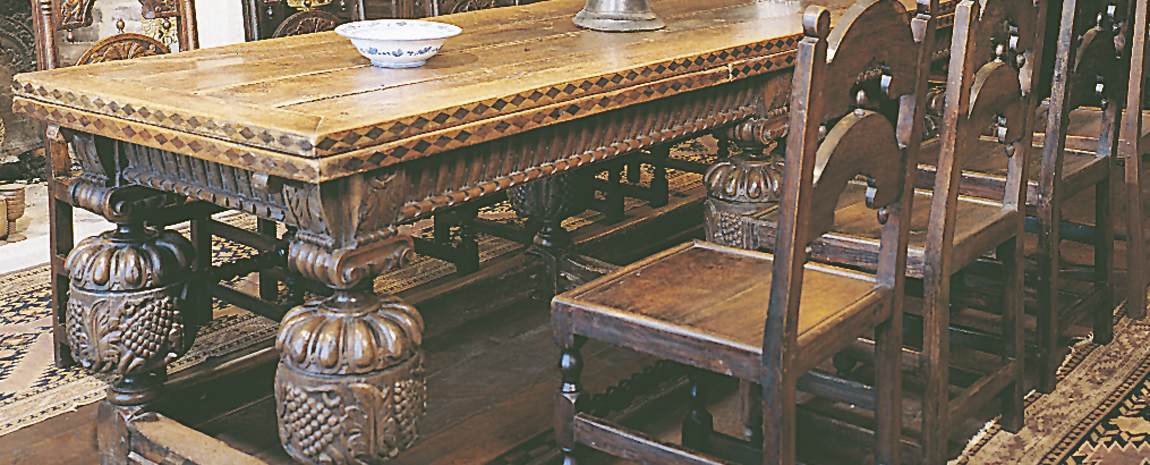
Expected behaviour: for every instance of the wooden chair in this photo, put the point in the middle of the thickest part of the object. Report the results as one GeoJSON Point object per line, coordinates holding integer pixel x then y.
{"type": "Point", "coordinates": [771, 318]}
{"type": "Point", "coordinates": [1074, 154]}
{"type": "Point", "coordinates": [947, 231]}
{"type": "Point", "coordinates": [1130, 150]}
{"type": "Point", "coordinates": [265, 19]}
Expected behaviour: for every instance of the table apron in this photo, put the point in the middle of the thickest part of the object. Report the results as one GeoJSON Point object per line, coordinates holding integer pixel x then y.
{"type": "Point", "coordinates": [415, 189]}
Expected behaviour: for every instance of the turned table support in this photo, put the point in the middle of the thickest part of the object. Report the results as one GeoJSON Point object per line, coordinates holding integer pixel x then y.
{"type": "Point", "coordinates": [350, 386]}
{"type": "Point", "coordinates": [133, 306]}
{"type": "Point", "coordinates": [547, 202]}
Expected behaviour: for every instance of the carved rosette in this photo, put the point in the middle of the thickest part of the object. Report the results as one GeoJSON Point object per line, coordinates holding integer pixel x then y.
{"type": "Point", "coordinates": [128, 292]}
{"type": "Point", "coordinates": [737, 187]}
{"type": "Point", "coordinates": [350, 386]}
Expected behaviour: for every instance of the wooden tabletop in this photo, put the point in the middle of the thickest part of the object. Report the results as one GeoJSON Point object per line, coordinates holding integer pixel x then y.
{"type": "Point", "coordinates": [311, 108]}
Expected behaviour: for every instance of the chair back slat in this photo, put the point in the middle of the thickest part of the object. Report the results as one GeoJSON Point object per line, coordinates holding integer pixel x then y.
{"type": "Point", "coordinates": [993, 47]}
{"type": "Point", "coordinates": [837, 131]}
{"type": "Point", "coordinates": [1089, 70]}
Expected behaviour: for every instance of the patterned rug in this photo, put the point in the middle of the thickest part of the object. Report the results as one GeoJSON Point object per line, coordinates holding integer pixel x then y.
{"type": "Point", "coordinates": [1098, 415]}
{"type": "Point", "coordinates": [32, 389]}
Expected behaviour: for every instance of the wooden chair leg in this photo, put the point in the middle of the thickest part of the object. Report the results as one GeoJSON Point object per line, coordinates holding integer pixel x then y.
{"type": "Point", "coordinates": [1011, 255]}
{"type": "Point", "coordinates": [1103, 315]}
{"type": "Point", "coordinates": [698, 424]}
{"type": "Point", "coordinates": [1135, 241]}
{"type": "Point", "coordinates": [779, 420]}
{"type": "Point", "coordinates": [936, 349]}
{"type": "Point", "coordinates": [566, 405]}
{"type": "Point", "coordinates": [888, 393]}
{"type": "Point", "coordinates": [1048, 261]}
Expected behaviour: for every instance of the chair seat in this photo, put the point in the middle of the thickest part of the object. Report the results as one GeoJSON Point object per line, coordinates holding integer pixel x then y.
{"type": "Point", "coordinates": [854, 239]}
{"type": "Point", "coordinates": [1085, 125]}
{"type": "Point", "coordinates": [1081, 168]}
{"type": "Point", "coordinates": [704, 304]}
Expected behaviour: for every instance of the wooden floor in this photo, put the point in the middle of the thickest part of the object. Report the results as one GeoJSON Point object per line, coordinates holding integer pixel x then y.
{"type": "Point", "coordinates": [492, 372]}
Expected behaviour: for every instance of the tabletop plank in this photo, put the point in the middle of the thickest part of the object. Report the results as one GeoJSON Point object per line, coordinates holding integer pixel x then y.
{"type": "Point", "coordinates": [313, 97]}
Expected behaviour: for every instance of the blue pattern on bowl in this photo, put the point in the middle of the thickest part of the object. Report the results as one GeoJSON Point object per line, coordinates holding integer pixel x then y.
{"type": "Point", "coordinates": [398, 43]}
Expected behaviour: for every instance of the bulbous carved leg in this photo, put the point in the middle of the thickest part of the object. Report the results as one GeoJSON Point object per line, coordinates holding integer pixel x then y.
{"type": "Point", "coordinates": [350, 386]}
{"type": "Point", "coordinates": [740, 185]}
{"type": "Point", "coordinates": [128, 316]}
{"type": "Point", "coordinates": [128, 300]}
{"type": "Point", "coordinates": [737, 187]}
{"type": "Point", "coordinates": [548, 202]}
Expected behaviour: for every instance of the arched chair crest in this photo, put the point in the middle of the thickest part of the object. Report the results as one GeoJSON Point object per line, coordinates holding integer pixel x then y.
{"type": "Point", "coordinates": [307, 22]}
{"type": "Point", "coordinates": [851, 59]}
{"type": "Point", "coordinates": [123, 46]}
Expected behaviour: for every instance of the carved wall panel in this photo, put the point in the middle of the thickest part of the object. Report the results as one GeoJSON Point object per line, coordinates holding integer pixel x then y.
{"type": "Point", "coordinates": [17, 55]}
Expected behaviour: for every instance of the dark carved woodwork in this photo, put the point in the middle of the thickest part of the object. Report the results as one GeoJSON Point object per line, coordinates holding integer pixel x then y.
{"type": "Point", "coordinates": [745, 183]}
{"type": "Point", "coordinates": [74, 14]}
{"type": "Point", "coordinates": [17, 55]}
{"type": "Point", "coordinates": [153, 9]}
{"type": "Point", "coordinates": [547, 202]}
{"type": "Point", "coordinates": [264, 19]}
{"type": "Point", "coordinates": [124, 46]}
{"type": "Point", "coordinates": [306, 22]}
{"type": "Point", "coordinates": [350, 386]}
{"type": "Point", "coordinates": [126, 304]}
{"type": "Point", "coordinates": [131, 296]}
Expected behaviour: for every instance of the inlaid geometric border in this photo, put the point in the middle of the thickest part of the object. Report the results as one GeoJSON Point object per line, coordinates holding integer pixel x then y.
{"type": "Point", "coordinates": [313, 170]}
{"type": "Point", "coordinates": [372, 147]}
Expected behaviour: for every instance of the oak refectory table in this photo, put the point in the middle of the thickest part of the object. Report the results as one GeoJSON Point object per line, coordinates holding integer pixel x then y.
{"type": "Point", "coordinates": [304, 132]}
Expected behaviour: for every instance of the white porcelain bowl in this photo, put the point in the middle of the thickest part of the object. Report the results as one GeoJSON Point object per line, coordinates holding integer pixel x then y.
{"type": "Point", "coordinates": [398, 43]}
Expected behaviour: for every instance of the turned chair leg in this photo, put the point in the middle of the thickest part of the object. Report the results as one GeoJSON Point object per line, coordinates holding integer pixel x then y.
{"type": "Point", "coordinates": [698, 424]}
{"type": "Point", "coordinates": [1011, 255]}
{"type": "Point", "coordinates": [1048, 280]}
{"type": "Point", "coordinates": [1103, 314]}
{"type": "Point", "coordinates": [567, 400]}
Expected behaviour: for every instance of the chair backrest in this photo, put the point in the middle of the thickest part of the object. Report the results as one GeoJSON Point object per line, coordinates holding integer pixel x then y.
{"type": "Point", "coordinates": [52, 17]}
{"type": "Point", "coordinates": [122, 46]}
{"type": "Point", "coordinates": [1089, 70]}
{"type": "Point", "coordinates": [989, 89]}
{"type": "Point", "coordinates": [837, 131]}
{"type": "Point", "coordinates": [307, 22]}
{"type": "Point", "coordinates": [265, 19]}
